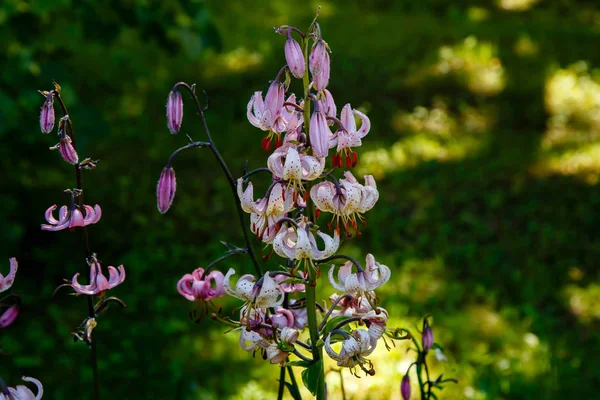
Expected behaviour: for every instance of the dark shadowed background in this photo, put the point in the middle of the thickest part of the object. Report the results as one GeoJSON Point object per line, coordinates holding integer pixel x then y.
{"type": "Point", "coordinates": [485, 142]}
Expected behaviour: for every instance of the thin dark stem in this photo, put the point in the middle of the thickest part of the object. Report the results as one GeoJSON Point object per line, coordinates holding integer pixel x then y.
{"type": "Point", "coordinates": [342, 384]}
{"type": "Point", "coordinates": [344, 257]}
{"type": "Point", "coordinates": [254, 171]}
{"type": "Point", "coordinates": [302, 357]}
{"type": "Point", "coordinates": [333, 306]}
{"type": "Point", "coordinates": [302, 344]}
{"type": "Point", "coordinates": [90, 300]}
{"type": "Point", "coordinates": [293, 378]}
{"type": "Point", "coordinates": [345, 322]}
{"type": "Point", "coordinates": [427, 375]}
{"type": "Point", "coordinates": [218, 260]}
{"type": "Point", "coordinates": [293, 105]}
{"type": "Point", "coordinates": [335, 182]}
{"type": "Point", "coordinates": [228, 174]}
{"type": "Point", "coordinates": [281, 383]}
{"type": "Point", "coordinates": [337, 121]}
{"type": "Point", "coordinates": [189, 146]}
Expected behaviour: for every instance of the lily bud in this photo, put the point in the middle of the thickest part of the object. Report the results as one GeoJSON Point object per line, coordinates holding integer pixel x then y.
{"type": "Point", "coordinates": [9, 315]}
{"type": "Point", "coordinates": [427, 336]}
{"type": "Point", "coordinates": [405, 387]}
{"type": "Point", "coordinates": [165, 191]}
{"type": "Point", "coordinates": [318, 58]}
{"type": "Point", "coordinates": [294, 57]}
{"type": "Point", "coordinates": [319, 134]}
{"type": "Point", "coordinates": [174, 111]}
{"type": "Point", "coordinates": [47, 114]}
{"type": "Point", "coordinates": [322, 80]}
{"type": "Point", "coordinates": [67, 151]}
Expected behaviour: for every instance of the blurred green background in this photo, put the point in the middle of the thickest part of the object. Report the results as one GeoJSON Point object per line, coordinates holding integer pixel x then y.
{"type": "Point", "coordinates": [485, 141]}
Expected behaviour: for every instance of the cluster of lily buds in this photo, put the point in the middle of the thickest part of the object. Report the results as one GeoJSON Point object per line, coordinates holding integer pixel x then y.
{"type": "Point", "coordinates": [21, 392]}
{"type": "Point", "coordinates": [71, 217]}
{"type": "Point", "coordinates": [9, 311]}
{"type": "Point", "coordinates": [98, 281]}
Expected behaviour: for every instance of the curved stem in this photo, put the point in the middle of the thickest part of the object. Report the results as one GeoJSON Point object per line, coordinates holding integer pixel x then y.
{"type": "Point", "coordinates": [228, 175]}
{"type": "Point", "coordinates": [224, 257]}
{"type": "Point", "coordinates": [293, 379]}
{"type": "Point", "coordinates": [293, 105]}
{"type": "Point", "coordinates": [333, 306]}
{"type": "Point", "coordinates": [90, 300]}
{"type": "Point", "coordinates": [302, 357]}
{"type": "Point", "coordinates": [344, 257]}
{"type": "Point", "coordinates": [335, 182]}
{"type": "Point", "coordinates": [254, 171]}
{"type": "Point", "coordinates": [189, 146]}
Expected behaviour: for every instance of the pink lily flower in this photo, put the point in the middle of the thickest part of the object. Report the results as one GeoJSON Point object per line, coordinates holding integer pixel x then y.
{"type": "Point", "coordinates": [376, 321]}
{"type": "Point", "coordinates": [282, 318]}
{"type": "Point", "coordinates": [350, 136]}
{"type": "Point", "coordinates": [98, 281]}
{"type": "Point", "coordinates": [264, 295]}
{"type": "Point", "coordinates": [22, 392]}
{"type": "Point", "coordinates": [354, 350]}
{"type": "Point", "coordinates": [288, 164]}
{"type": "Point", "coordinates": [6, 282]}
{"type": "Point", "coordinates": [291, 287]}
{"type": "Point", "coordinates": [71, 218]}
{"type": "Point", "coordinates": [374, 276]}
{"type": "Point", "coordinates": [9, 315]}
{"type": "Point", "coordinates": [327, 104]}
{"type": "Point", "coordinates": [353, 306]}
{"type": "Point", "coordinates": [267, 115]}
{"type": "Point", "coordinates": [299, 243]}
{"type": "Point", "coordinates": [200, 286]}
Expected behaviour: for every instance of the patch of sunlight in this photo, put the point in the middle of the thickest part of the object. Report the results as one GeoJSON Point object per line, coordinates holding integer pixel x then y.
{"type": "Point", "coordinates": [584, 302]}
{"type": "Point", "coordinates": [429, 134]}
{"type": "Point", "coordinates": [516, 5]}
{"type": "Point", "coordinates": [472, 63]}
{"type": "Point", "coordinates": [238, 61]}
{"type": "Point", "coordinates": [477, 14]}
{"type": "Point", "coordinates": [419, 280]}
{"type": "Point", "coordinates": [525, 46]}
{"type": "Point", "coordinates": [571, 144]}
{"type": "Point", "coordinates": [255, 391]}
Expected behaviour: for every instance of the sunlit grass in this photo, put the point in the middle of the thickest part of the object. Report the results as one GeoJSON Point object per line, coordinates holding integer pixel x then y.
{"type": "Point", "coordinates": [516, 5]}
{"type": "Point", "coordinates": [238, 61]}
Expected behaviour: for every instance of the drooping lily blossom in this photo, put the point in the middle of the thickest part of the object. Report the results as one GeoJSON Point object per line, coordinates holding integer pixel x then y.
{"type": "Point", "coordinates": [200, 286]}
{"type": "Point", "coordinates": [8, 316]}
{"type": "Point", "coordinates": [289, 164]}
{"type": "Point", "coordinates": [353, 305]}
{"type": "Point", "coordinates": [265, 114]}
{"type": "Point", "coordinates": [71, 217]}
{"type": "Point", "coordinates": [374, 276]}
{"type": "Point", "coordinates": [7, 281]}
{"type": "Point", "coordinates": [98, 281]}
{"type": "Point", "coordinates": [299, 243]}
{"type": "Point", "coordinates": [266, 211]}
{"type": "Point", "coordinates": [350, 136]}
{"type": "Point", "coordinates": [354, 350]}
{"type": "Point", "coordinates": [376, 321]}
{"type": "Point", "coordinates": [263, 294]}
{"type": "Point", "coordinates": [326, 104]}
{"type": "Point", "coordinates": [291, 287]}
{"type": "Point", "coordinates": [21, 392]}
{"type": "Point", "coordinates": [282, 318]}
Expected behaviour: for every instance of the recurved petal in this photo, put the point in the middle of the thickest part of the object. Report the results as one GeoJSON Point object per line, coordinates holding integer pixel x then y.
{"type": "Point", "coordinates": [217, 289]}
{"type": "Point", "coordinates": [322, 195]}
{"type": "Point", "coordinates": [6, 282]}
{"type": "Point", "coordinates": [254, 338]}
{"type": "Point", "coordinates": [284, 242]}
{"type": "Point", "coordinates": [312, 167]}
{"type": "Point", "coordinates": [341, 277]}
{"type": "Point", "coordinates": [255, 109]}
{"type": "Point", "coordinates": [92, 215]}
{"type": "Point", "coordinates": [365, 123]}
{"type": "Point", "coordinates": [329, 350]}
{"type": "Point", "coordinates": [49, 217]}
{"type": "Point", "coordinates": [116, 277]}
{"type": "Point", "coordinates": [292, 169]}
{"type": "Point", "coordinates": [38, 384]}
{"type": "Point", "coordinates": [184, 287]}
{"type": "Point", "coordinates": [347, 118]}
{"type": "Point", "coordinates": [331, 245]}
{"type": "Point", "coordinates": [270, 294]}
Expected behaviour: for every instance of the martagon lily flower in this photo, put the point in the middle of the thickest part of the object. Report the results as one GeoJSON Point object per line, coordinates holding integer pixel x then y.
{"type": "Point", "coordinates": [200, 286]}
{"type": "Point", "coordinates": [98, 281]}
{"type": "Point", "coordinates": [374, 276]}
{"type": "Point", "coordinates": [71, 217]}
{"type": "Point", "coordinates": [263, 294]}
{"type": "Point", "coordinates": [23, 392]}
{"type": "Point", "coordinates": [289, 164]}
{"type": "Point", "coordinates": [349, 137]}
{"type": "Point", "coordinates": [7, 281]}
{"type": "Point", "coordinates": [354, 349]}
{"type": "Point", "coordinates": [299, 243]}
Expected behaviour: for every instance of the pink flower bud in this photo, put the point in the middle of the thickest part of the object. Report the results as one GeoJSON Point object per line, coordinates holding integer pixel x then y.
{"type": "Point", "coordinates": [47, 114]}
{"type": "Point", "coordinates": [67, 151]}
{"type": "Point", "coordinates": [9, 315]}
{"type": "Point", "coordinates": [318, 58]}
{"type": "Point", "coordinates": [165, 191]}
{"type": "Point", "coordinates": [294, 58]}
{"type": "Point", "coordinates": [405, 387]}
{"type": "Point", "coordinates": [319, 134]}
{"type": "Point", "coordinates": [174, 111]}
{"type": "Point", "coordinates": [427, 336]}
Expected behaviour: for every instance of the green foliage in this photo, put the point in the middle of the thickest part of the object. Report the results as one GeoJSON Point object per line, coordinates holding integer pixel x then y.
{"type": "Point", "coordinates": [489, 204]}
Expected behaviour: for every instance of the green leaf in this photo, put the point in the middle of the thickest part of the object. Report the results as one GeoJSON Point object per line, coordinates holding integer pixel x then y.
{"type": "Point", "coordinates": [298, 363]}
{"type": "Point", "coordinates": [312, 375]}
{"type": "Point", "coordinates": [333, 322]}
{"type": "Point", "coordinates": [293, 391]}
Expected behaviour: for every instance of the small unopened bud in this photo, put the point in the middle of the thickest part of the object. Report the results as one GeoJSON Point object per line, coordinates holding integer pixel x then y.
{"type": "Point", "coordinates": [427, 336]}
{"type": "Point", "coordinates": [318, 57]}
{"type": "Point", "coordinates": [9, 315]}
{"type": "Point", "coordinates": [174, 111]}
{"type": "Point", "coordinates": [405, 387]}
{"type": "Point", "coordinates": [165, 191]}
{"type": "Point", "coordinates": [47, 114]}
{"type": "Point", "coordinates": [294, 57]}
{"type": "Point", "coordinates": [322, 80]}
{"type": "Point", "coordinates": [67, 151]}
{"type": "Point", "coordinates": [320, 134]}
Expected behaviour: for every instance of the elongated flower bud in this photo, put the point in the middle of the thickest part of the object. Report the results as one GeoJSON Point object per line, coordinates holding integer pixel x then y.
{"type": "Point", "coordinates": [319, 134]}
{"type": "Point", "coordinates": [294, 58]}
{"type": "Point", "coordinates": [322, 80]}
{"type": "Point", "coordinates": [174, 111]}
{"type": "Point", "coordinates": [165, 191]}
{"type": "Point", "coordinates": [405, 387]}
{"type": "Point", "coordinates": [9, 315]}
{"type": "Point", "coordinates": [318, 57]}
{"type": "Point", "coordinates": [427, 336]}
{"type": "Point", "coordinates": [67, 151]}
{"type": "Point", "coordinates": [47, 114]}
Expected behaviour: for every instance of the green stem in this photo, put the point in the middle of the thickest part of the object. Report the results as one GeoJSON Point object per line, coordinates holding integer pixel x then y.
{"type": "Point", "coordinates": [281, 383]}
{"type": "Point", "coordinates": [293, 379]}
{"type": "Point", "coordinates": [317, 351]}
